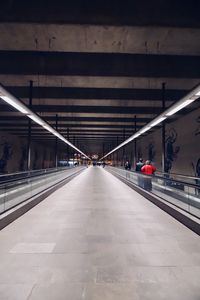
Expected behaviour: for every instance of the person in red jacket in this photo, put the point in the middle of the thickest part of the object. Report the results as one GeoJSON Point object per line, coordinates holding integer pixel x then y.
{"type": "Point", "coordinates": [148, 169]}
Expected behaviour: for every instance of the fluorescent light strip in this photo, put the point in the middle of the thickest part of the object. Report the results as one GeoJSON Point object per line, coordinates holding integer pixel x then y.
{"type": "Point", "coordinates": [10, 99]}
{"type": "Point", "coordinates": [144, 130]}
{"type": "Point", "coordinates": [133, 137]}
{"type": "Point", "coordinates": [13, 103]}
{"type": "Point", "coordinates": [36, 119]}
{"type": "Point", "coordinates": [156, 122]}
{"type": "Point", "coordinates": [136, 135]}
{"type": "Point", "coordinates": [47, 127]}
{"type": "Point", "coordinates": [191, 97]}
{"type": "Point", "coordinates": [179, 107]}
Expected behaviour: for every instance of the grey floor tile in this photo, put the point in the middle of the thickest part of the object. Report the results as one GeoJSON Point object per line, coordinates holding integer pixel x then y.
{"type": "Point", "coordinates": [33, 248]}
{"type": "Point", "coordinates": [58, 291]}
{"type": "Point", "coordinates": [111, 291]}
{"type": "Point", "coordinates": [165, 291]}
{"type": "Point", "coordinates": [15, 291]}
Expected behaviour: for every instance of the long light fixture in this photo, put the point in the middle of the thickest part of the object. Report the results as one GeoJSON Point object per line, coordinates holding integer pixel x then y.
{"type": "Point", "coordinates": [183, 102]}
{"type": "Point", "coordinates": [21, 107]}
{"type": "Point", "coordinates": [179, 107]}
{"type": "Point", "coordinates": [143, 130]}
{"type": "Point", "coordinates": [158, 121]}
{"type": "Point", "coordinates": [13, 103]}
{"type": "Point", "coordinates": [36, 119]}
{"type": "Point", "coordinates": [197, 94]}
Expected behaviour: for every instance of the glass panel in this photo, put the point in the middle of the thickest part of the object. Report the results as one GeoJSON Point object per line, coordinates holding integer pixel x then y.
{"type": "Point", "coordinates": [16, 191]}
{"type": "Point", "coordinates": [194, 198]}
{"type": "Point", "coordinates": [172, 188]}
{"type": "Point", "coordinates": [2, 197]}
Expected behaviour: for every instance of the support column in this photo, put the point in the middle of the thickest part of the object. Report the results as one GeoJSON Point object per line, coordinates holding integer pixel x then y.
{"type": "Point", "coordinates": [163, 129]}
{"type": "Point", "coordinates": [56, 144]}
{"type": "Point", "coordinates": [103, 149]}
{"type": "Point", "coordinates": [68, 145]}
{"type": "Point", "coordinates": [117, 152]}
{"type": "Point", "coordinates": [135, 143]}
{"type": "Point", "coordinates": [29, 127]}
{"type": "Point", "coordinates": [73, 148]}
{"type": "Point", "coordinates": [123, 153]}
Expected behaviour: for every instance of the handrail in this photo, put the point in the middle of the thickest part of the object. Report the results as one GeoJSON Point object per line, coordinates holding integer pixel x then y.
{"type": "Point", "coordinates": [179, 175]}
{"type": "Point", "coordinates": [32, 173]}
{"type": "Point", "coordinates": [194, 185]}
{"type": "Point", "coordinates": [19, 190]}
{"type": "Point", "coordinates": [164, 173]}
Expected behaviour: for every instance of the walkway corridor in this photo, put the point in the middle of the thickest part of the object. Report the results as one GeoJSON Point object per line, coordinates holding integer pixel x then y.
{"type": "Point", "coordinates": [97, 239]}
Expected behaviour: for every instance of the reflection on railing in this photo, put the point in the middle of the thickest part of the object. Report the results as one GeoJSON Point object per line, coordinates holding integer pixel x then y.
{"type": "Point", "coordinates": [18, 187]}
{"type": "Point", "coordinates": [174, 188]}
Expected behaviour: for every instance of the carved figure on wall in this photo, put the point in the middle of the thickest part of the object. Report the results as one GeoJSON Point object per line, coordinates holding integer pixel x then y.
{"type": "Point", "coordinates": [198, 168]}
{"type": "Point", "coordinates": [44, 159]}
{"type": "Point", "coordinates": [139, 153]}
{"type": "Point", "coordinates": [6, 154]}
{"type": "Point", "coordinates": [151, 151]}
{"type": "Point", "coordinates": [22, 163]}
{"type": "Point", "coordinates": [197, 174]}
{"type": "Point", "coordinates": [197, 131]}
{"type": "Point", "coordinates": [171, 149]}
{"type": "Point", "coordinates": [35, 160]}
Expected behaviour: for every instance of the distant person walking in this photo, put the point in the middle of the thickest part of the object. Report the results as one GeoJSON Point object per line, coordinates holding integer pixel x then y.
{"type": "Point", "coordinates": [127, 165]}
{"type": "Point", "coordinates": [148, 169]}
{"type": "Point", "coordinates": [138, 168]}
{"type": "Point", "coordinates": [139, 165]}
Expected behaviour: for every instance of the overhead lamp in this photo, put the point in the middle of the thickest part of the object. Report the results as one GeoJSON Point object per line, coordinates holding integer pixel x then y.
{"type": "Point", "coordinates": [16, 105]}
{"type": "Point", "coordinates": [63, 139]}
{"type": "Point", "coordinates": [179, 107]}
{"type": "Point", "coordinates": [49, 128]}
{"type": "Point", "coordinates": [144, 130]}
{"type": "Point", "coordinates": [36, 119]}
{"type": "Point", "coordinates": [188, 99]}
{"type": "Point", "coordinates": [129, 140]}
{"type": "Point", "coordinates": [57, 134]}
{"type": "Point", "coordinates": [136, 135]}
{"type": "Point", "coordinates": [10, 99]}
{"type": "Point", "coordinates": [156, 122]}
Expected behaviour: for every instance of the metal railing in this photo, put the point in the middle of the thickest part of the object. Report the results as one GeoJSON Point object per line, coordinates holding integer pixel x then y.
{"type": "Point", "coordinates": [18, 187]}
{"type": "Point", "coordinates": [179, 190]}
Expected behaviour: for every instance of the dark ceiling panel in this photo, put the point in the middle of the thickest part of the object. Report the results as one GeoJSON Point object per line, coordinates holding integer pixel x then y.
{"type": "Point", "coordinates": [99, 64]}
{"type": "Point", "coordinates": [96, 93]}
{"type": "Point", "coordinates": [88, 126]}
{"type": "Point", "coordinates": [135, 13]}
{"type": "Point", "coordinates": [90, 109]}
{"type": "Point", "coordinates": [76, 135]}
{"type": "Point", "coordinates": [78, 119]}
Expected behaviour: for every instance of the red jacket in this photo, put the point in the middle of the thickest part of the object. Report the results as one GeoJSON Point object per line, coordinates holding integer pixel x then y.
{"type": "Point", "coordinates": [148, 169]}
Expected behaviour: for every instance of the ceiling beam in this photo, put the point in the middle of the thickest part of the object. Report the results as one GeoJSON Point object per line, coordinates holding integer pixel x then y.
{"type": "Point", "coordinates": [96, 126]}
{"type": "Point", "coordinates": [62, 119]}
{"type": "Point", "coordinates": [133, 13]}
{"type": "Point", "coordinates": [77, 138]}
{"type": "Point", "coordinates": [98, 64]}
{"type": "Point", "coordinates": [96, 93]}
{"type": "Point", "coordinates": [64, 130]}
{"type": "Point", "coordinates": [89, 109]}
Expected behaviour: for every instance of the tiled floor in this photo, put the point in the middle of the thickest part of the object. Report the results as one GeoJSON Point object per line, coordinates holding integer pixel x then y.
{"type": "Point", "coordinates": [96, 239]}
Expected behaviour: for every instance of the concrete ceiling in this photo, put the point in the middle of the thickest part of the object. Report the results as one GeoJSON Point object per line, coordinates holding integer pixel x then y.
{"type": "Point", "coordinates": [97, 65]}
